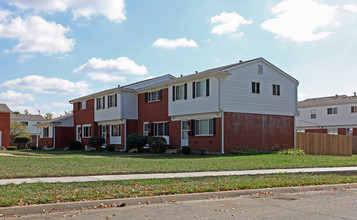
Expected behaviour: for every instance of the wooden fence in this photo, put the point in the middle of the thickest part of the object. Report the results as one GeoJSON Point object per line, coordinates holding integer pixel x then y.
{"type": "Point", "coordinates": [324, 144]}
{"type": "Point", "coordinates": [354, 144]}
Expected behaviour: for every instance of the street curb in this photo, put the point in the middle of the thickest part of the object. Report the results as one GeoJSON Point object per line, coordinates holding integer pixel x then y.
{"type": "Point", "coordinates": [48, 208]}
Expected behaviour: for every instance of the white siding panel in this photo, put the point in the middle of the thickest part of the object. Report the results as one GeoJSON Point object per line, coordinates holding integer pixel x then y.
{"type": "Point", "coordinates": [107, 114]}
{"type": "Point", "coordinates": [195, 105]}
{"type": "Point", "coordinates": [68, 122]}
{"type": "Point", "coordinates": [130, 105]}
{"type": "Point", "coordinates": [343, 118]}
{"type": "Point", "coordinates": [237, 96]}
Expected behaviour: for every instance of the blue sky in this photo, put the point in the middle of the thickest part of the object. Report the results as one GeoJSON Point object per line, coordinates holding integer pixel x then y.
{"type": "Point", "coordinates": [54, 51]}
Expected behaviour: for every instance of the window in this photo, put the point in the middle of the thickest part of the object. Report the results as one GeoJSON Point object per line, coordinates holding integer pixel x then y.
{"type": "Point", "coordinates": [146, 129]}
{"type": "Point", "coordinates": [276, 90]}
{"type": "Point", "coordinates": [260, 69]}
{"type": "Point", "coordinates": [200, 88]}
{"type": "Point", "coordinates": [153, 96]}
{"type": "Point", "coordinates": [179, 92]}
{"type": "Point", "coordinates": [101, 103]}
{"type": "Point", "coordinates": [332, 131]}
{"type": "Point", "coordinates": [87, 133]}
{"type": "Point", "coordinates": [160, 129]}
{"type": "Point", "coordinates": [204, 127]}
{"type": "Point", "coordinates": [332, 111]}
{"type": "Point", "coordinates": [25, 123]}
{"type": "Point", "coordinates": [46, 132]}
{"type": "Point", "coordinates": [353, 109]}
{"type": "Point", "coordinates": [116, 131]}
{"type": "Point", "coordinates": [313, 113]}
{"type": "Point", "coordinates": [83, 105]}
{"type": "Point", "coordinates": [255, 87]}
{"type": "Point", "coordinates": [349, 131]}
{"type": "Point", "coordinates": [112, 101]}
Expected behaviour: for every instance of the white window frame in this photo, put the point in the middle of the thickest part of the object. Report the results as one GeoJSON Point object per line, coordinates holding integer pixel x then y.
{"type": "Point", "coordinates": [200, 88]}
{"type": "Point", "coordinates": [100, 103]}
{"type": "Point", "coordinates": [153, 96]}
{"type": "Point", "coordinates": [276, 90]}
{"type": "Point", "coordinates": [333, 111]}
{"type": "Point", "coordinates": [198, 126]}
{"type": "Point", "coordinates": [48, 132]}
{"type": "Point", "coordinates": [180, 92]}
{"type": "Point", "coordinates": [84, 135]}
{"type": "Point", "coordinates": [260, 69]}
{"type": "Point", "coordinates": [84, 105]}
{"type": "Point", "coordinates": [112, 130]}
{"type": "Point", "coordinates": [256, 87]}
{"type": "Point", "coordinates": [313, 114]}
{"type": "Point", "coordinates": [353, 109]}
{"type": "Point", "coordinates": [156, 129]}
{"type": "Point", "coordinates": [111, 101]}
{"type": "Point", "coordinates": [146, 125]}
{"type": "Point", "coordinates": [333, 131]}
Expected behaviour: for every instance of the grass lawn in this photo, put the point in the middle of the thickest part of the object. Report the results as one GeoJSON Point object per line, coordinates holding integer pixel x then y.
{"type": "Point", "coordinates": [66, 163]}
{"type": "Point", "coordinates": [39, 193]}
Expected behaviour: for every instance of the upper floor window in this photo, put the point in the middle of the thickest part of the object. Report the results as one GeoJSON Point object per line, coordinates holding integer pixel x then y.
{"type": "Point", "coordinates": [353, 109]}
{"type": "Point", "coordinates": [332, 111]}
{"type": "Point", "coordinates": [260, 69]}
{"type": "Point", "coordinates": [101, 103]}
{"type": "Point", "coordinates": [25, 123]}
{"type": "Point", "coordinates": [256, 87]}
{"type": "Point", "coordinates": [179, 92]}
{"type": "Point", "coordinates": [83, 105]}
{"type": "Point", "coordinates": [153, 96]}
{"type": "Point", "coordinates": [313, 113]}
{"type": "Point", "coordinates": [112, 101]}
{"type": "Point", "coordinates": [200, 88]}
{"type": "Point", "coordinates": [276, 90]}
{"type": "Point", "coordinates": [87, 131]}
{"type": "Point", "coordinates": [45, 132]}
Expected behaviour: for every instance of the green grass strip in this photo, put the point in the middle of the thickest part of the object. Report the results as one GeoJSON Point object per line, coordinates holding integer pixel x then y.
{"type": "Point", "coordinates": [40, 193]}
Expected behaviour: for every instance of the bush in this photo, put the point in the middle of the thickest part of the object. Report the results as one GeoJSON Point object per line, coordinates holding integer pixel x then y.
{"type": "Point", "coordinates": [291, 151]}
{"type": "Point", "coordinates": [96, 142]}
{"type": "Point", "coordinates": [157, 144]}
{"type": "Point", "coordinates": [11, 148]}
{"type": "Point", "coordinates": [136, 141]}
{"type": "Point", "coordinates": [186, 150]}
{"type": "Point", "coordinates": [111, 148]}
{"type": "Point", "coordinates": [75, 145]}
{"type": "Point", "coordinates": [23, 140]}
{"type": "Point", "coordinates": [249, 151]}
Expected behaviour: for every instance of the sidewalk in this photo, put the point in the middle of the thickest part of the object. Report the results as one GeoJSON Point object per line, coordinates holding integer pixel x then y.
{"type": "Point", "coordinates": [172, 175]}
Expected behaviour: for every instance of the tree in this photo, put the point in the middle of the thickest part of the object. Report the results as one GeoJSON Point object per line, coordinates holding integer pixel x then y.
{"type": "Point", "coordinates": [68, 112]}
{"type": "Point", "coordinates": [16, 112]}
{"type": "Point", "coordinates": [17, 128]}
{"type": "Point", "coordinates": [48, 116]}
{"type": "Point", "coordinates": [23, 140]}
{"type": "Point", "coordinates": [26, 112]}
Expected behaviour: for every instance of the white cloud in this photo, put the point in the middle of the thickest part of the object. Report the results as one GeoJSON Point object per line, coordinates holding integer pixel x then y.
{"type": "Point", "coordinates": [41, 84]}
{"type": "Point", "coordinates": [171, 44]}
{"type": "Point", "coordinates": [351, 8]}
{"type": "Point", "coordinates": [112, 9]}
{"type": "Point", "coordinates": [300, 21]}
{"type": "Point", "coordinates": [12, 97]}
{"type": "Point", "coordinates": [58, 105]}
{"type": "Point", "coordinates": [228, 23]}
{"type": "Point", "coordinates": [36, 35]}
{"type": "Point", "coordinates": [108, 70]}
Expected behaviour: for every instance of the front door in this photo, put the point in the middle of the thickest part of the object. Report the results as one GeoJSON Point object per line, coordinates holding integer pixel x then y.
{"type": "Point", "coordinates": [184, 133]}
{"type": "Point", "coordinates": [104, 133]}
{"type": "Point", "coordinates": [79, 133]}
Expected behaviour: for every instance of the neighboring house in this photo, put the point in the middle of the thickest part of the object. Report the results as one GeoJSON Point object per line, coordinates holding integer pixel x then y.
{"type": "Point", "coordinates": [4, 126]}
{"type": "Point", "coordinates": [246, 104]}
{"type": "Point", "coordinates": [332, 115]}
{"type": "Point", "coordinates": [29, 121]}
{"type": "Point", "coordinates": [111, 114]}
{"type": "Point", "coordinates": [56, 133]}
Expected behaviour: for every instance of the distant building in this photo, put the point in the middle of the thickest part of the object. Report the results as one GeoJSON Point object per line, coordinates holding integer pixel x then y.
{"type": "Point", "coordinates": [4, 125]}
{"type": "Point", "coordinates": [29, 121]}
{"type": "Point", "coordinates": [332, 115]}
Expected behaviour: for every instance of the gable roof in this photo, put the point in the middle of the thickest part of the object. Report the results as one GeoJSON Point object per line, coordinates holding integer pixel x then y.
{"type": "Point", "coordinates": [4, 108]}
{"type": "Point", "coordinates": [55, 120]}
{"type": "Point", "coordinates": [27, 117]}
{"type": "Point", "coordinates": [328, 101]}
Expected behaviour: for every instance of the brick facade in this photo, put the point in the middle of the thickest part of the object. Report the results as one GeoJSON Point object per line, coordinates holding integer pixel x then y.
{"type": "Point", "coordinates": [5, 128]}
{"type": "Point", "coordinates": [257, 131]}
{"type": "Point", "coordinates": [63, 136]}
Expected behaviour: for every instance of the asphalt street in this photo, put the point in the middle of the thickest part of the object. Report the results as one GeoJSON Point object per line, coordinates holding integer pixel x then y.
{"type": "Point", "coordinates": [335, 203]}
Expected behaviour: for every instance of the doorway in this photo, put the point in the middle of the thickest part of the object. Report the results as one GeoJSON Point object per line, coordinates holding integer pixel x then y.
{"type": "Point", "coordinates": [185, 129]}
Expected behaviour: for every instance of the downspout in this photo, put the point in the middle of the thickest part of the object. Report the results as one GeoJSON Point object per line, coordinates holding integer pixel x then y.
{"type": "Point", "coordinates": [295, 117]}
{"type": "Point", "coordinates": [222, 113]}
{"type": "Point", "coordinates": [54, 136]}
{"type": "Point", "coordinates": [121, 117]}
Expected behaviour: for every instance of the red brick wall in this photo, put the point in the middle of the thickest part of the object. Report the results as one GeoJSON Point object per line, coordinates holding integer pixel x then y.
{"type": "Point", "coordinates": [341, 131]}
{"type": "Point", "coordinates": [85, 116]}
{"type": "Point", "coordinates": [5, 128]}
{"type": "Point", "coordinates": [45, 142]}
{"type": "Point", "coordinates": [257, 131]}
{"type": "Point", "coordinates": [211, 143]}
{"type": "Point", "coordinates": [321, 131]}
{"type": "Point", "coordinates": [63, 136]}
{"type": "Point", "coordinates": [157, 112]}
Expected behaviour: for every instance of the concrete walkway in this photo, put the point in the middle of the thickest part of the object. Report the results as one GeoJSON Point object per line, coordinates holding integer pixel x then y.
{"type": "Point", "coordinates": [172, 175]}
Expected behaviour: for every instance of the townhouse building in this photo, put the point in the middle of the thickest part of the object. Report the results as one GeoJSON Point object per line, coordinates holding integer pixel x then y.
{"type": "Point", "coordinates": [29, 121]}
{"type": "Point", "coordinates": [4, 125]}
{"type": "Point", "coordinates": [246, 104]}
{"type": "Point", "coordinates": [57, 132]}
{"type": "Point", "coordinates": [332, 115]}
